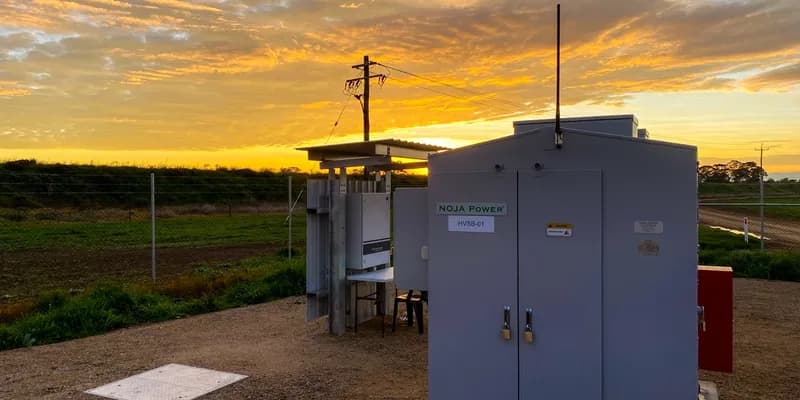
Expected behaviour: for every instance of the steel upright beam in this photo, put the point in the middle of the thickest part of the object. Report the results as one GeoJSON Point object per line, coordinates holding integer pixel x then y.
{"type": "Point", "coordinates": [338, 300]}
{"type": "Point", "coordinates": [290, 217]}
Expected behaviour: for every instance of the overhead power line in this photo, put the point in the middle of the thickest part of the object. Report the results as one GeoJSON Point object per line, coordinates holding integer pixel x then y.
{"type": "Point", "coordinates": [439, 82]}
{"type": "Point", "coordinates": [464, 98]}
{"type": "Point", "coordinates": [335, 124]}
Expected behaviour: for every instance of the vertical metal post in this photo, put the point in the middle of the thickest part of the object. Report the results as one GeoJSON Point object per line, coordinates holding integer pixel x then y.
{"type": "Point", "coordinates": [153, 223]}
{"type": "Point", "coordinates": [338, 301]}
{"type": "Point", "coordinates": [290, 217]}
{"type": "Point", "coordinates": [761, 185]}
{"type": "Point", "coordinates": [761, 188]}
{"type": "Point", "coordinates": [746, 230]}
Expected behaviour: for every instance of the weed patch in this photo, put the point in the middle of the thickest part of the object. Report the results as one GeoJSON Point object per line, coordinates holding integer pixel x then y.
{"type": "Point", "coordinates": [59, 315]}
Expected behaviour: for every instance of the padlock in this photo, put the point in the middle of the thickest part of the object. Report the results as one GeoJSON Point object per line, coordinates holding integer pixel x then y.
{"type": "Point", "coordinates": [506, 331]}
{"type": "Point", "coordinates": [529, 337]}
{"type": "Point", "coordinates": [528, 333]}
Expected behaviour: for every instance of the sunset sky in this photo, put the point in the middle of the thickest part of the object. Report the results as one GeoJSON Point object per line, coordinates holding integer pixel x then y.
{"type": "Point", "coordinates": [243, 82]}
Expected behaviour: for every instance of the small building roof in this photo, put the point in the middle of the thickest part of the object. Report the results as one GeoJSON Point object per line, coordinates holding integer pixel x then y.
{"type": "Point", "coordinates": [382, 147]}
{"type": "Point", "coordinates": [371, 153]}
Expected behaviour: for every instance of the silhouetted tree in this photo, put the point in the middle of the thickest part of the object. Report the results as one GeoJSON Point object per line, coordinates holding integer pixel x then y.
{"type": "Point", "coordinates": [733, 172]}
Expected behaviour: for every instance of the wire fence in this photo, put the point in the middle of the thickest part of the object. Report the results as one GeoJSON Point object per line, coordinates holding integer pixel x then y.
{"type": "Point", "coordinates": [739, 209]}
{"type": "Point", "coordinates": [71, 231]}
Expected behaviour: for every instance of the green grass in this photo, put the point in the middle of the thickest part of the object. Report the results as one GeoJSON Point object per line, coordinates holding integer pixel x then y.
{"type": "Point", "coordinates": [170, 232]}
{"type": "Point", "coordinates": [722, 248]}
{"type": "Point", "coordinates": [748, 189]}
{"type": "Point", "coordinates": [716, 239]}
{"type": "Point", "coordinates": [59, 316]}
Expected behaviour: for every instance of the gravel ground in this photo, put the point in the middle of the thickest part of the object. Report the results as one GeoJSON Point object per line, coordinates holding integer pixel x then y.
{"type": "Point", "coordinates": [288, 358]}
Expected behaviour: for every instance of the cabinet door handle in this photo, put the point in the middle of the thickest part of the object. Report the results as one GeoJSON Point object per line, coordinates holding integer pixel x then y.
{"type": "Point", "coordinates": [506, 331]}
{"type": "Point", "coordinates": [701, 318]}
{"type": "Point", "coordinates": [528, 332]}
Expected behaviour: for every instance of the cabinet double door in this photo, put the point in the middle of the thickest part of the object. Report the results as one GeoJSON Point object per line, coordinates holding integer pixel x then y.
{"type": "Point", "coordinates": [516, 305]}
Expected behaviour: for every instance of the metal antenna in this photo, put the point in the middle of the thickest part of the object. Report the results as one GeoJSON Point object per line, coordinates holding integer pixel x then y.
{"type": "Point", "coordinates": [559, 136]}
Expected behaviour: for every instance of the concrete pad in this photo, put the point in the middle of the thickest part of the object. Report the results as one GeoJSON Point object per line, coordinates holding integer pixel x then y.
{"type": "Point", "coordinates": [708, 391]}
{"type": "Point", "coordinates": [170, 382]}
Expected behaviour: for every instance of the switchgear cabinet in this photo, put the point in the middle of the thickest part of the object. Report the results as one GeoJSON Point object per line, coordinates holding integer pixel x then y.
{"type": "Point", "coordinates": [368, 243]}
{"type": "Point", "coordinates": [563, 273]}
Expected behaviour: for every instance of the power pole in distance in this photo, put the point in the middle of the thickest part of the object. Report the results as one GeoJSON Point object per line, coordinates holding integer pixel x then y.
{"type": "Point", "coordinates": [364, 97]}
{"type": "Point", "coordinates": [761, 189]}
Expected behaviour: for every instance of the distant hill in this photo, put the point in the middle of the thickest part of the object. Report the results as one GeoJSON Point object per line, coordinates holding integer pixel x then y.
{"type": "Point", "coordinates": [30, 184]}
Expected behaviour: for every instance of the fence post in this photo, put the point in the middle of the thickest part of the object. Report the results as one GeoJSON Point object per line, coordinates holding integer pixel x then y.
{"type": "Point", "coordinates": [153, 223]}
{"type": "Point", "coordinates": [746, 230]}
{"type": "Point", "coordinates": [761, 186]}
{"type": "Point", "coordinates": [290, 216]}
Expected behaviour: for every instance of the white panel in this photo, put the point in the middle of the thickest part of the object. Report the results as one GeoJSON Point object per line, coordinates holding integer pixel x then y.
{"type": "Point", "coordinates": [375, 259]}
{"type": "Point", "coordinates": [470, 223]}
{"type": "Point", "coordinates": [170, 382]}
{"type": "Point", "coordinates": [375, 216]}
{"type": "Point", "coordinates": [411, 238]}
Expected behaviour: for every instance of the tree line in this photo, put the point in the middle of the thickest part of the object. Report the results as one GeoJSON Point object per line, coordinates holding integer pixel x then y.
{"type": "Point", "coordinates": [733, 172]}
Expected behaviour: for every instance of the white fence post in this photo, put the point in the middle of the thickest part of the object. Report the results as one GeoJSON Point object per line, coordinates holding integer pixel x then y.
{"type": "Point", "coordinates": [746, 230]}
{"type": "Point", "coordinates": [290, 217]}
{"type": "Point", "coordinates": [761, 189]}
{"type": "Point", "coordinates": [153, 223]}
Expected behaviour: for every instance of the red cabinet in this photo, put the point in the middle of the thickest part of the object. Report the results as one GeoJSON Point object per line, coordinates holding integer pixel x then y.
{"type": "Point", "coordinates": [715, 296]}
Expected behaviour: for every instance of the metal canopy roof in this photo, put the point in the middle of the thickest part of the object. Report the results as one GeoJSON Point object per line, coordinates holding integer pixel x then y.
{"type": "Point", "coordinates": [371, 153]}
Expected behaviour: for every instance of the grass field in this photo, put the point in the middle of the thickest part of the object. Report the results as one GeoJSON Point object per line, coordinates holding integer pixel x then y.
{"type": "Point", "coordinates": [716, 239]}
{"type": "Point", "coordinates": [722, 248]}
{"type": "Point", "coordinates": [774, 189]}
{"type": "Point", "coordinates": [53, 271]}
{"type": "Point", "coordinates": [37, 256]}
{"type": "Point", "coordinates": [749, 193]}
{"type": "Point", "coordinates": [183, 231]}
{"type": "Point", "coordinates": [59, 315]}
{"type": "Point", "coordinates": [791, 213]}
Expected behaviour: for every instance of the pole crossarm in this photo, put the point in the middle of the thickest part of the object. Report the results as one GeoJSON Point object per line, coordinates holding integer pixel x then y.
{"type": "Point", "coordinates": [359, 66]}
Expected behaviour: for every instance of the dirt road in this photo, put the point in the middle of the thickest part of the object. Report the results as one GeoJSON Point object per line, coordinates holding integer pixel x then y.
{"type": "Point", "coordinates": [287, 358]}
{"type": "Point", "coordinates": [782, 233]}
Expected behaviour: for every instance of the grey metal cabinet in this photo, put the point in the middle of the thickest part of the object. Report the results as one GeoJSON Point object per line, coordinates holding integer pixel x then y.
{"type": "Point", "coordinates": [522, 268]}
{"type": "Point", "coordinates": [596, 242]}
{"type": "Point", "coordinates": [560, 284]}
{"type": "Point", "coordinates": [486, 364]}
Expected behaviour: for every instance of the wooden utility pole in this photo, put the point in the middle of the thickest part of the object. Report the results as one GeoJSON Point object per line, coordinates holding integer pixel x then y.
{"type": "Point", "coordinates": [364, 97]}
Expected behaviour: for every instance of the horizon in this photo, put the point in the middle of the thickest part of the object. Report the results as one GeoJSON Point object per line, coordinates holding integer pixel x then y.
{"type": "Point", "coordinates": [774, 176]}
{"type": "Point", "coordinates": [242, 84]}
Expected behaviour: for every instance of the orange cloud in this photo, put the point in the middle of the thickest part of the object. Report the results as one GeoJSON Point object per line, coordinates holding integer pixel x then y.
{"type": "Point", "coordinates": [184, 5]}
{"type": "Point", "coordinates": [179, 74]}
{"type": "Point", "coordinates": [12, 89]}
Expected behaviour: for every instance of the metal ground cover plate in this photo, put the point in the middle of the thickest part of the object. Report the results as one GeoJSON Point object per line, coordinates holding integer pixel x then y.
{"type": "Point", "coordinates": [169, 382]}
